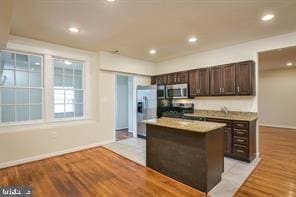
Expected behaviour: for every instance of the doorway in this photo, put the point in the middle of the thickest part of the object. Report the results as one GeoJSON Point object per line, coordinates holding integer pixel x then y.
{"type": "Point", "coordinates": [124, 106]}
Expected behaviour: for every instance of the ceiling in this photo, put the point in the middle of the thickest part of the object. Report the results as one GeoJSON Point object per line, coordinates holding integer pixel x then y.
{"type": "Point", "coordinates": [277, 59]}
{"type": "Point", "coordinates": [133, 27]}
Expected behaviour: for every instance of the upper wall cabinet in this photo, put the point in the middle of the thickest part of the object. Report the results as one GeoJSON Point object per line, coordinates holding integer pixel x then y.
{"type": "Point", "coordinates": [199, 82]}
{"type": "Point", "coordinates": [172, 78]}
{"type": "Point", "coordinates": [237, 79]}
{"type": "Point", "coordinates": [245, 78]}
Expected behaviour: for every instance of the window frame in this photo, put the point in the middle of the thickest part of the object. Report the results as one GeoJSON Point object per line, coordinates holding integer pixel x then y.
{"type": "Point", "coordinates": [83, 90]}
{"type": "Point", "coordinates": [42, 88]}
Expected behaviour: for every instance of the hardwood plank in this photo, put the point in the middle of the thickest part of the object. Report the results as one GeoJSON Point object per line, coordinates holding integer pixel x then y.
{"type": "Point", "coordinates": [93, 172]}
{"type": "Point", "coordinates": [276, 173]}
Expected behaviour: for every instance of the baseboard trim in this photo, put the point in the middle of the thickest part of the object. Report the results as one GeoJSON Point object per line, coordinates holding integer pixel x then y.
{"type": "Point", "coordinates": [52, 154]}
{"type": "Point", "coordinates": [277, 126]}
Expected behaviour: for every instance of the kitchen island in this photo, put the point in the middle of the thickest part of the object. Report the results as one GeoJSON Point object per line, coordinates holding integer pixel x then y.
{"type": "Point", "coordinates": [191, 152]}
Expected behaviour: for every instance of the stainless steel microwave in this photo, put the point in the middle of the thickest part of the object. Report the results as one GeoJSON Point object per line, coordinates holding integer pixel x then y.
{"type": "Point", "coordinates": [177, 91]}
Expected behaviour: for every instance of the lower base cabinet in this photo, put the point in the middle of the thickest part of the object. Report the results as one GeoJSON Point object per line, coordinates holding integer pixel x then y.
{"type": "Point", "coordinates": [239, 138]}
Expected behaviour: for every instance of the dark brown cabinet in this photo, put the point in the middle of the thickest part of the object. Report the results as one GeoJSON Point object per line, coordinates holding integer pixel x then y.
{"type": "Point", "coordinates": [182, 77]}
{"type": "Point", "coordinates": [199, 82]}
{"type": "Point", "coordinates": [237, 79]}
{"type": "Point", "coordinates": [162, 80]}
{"type": "Point", "coordinates": [228, 80]}
{"type": "Point", "coordinates": [216, 81]}
{"type": "Point", "coordinates": [223, 80]}
{"type": "Point", "coordinates": [227, 134]}
{"type": "Point", "coordinates": [172, 78]}
{"type": "Point", "coordinates": [239, 138]}
{"type": "Point", "coordinates": [153, 80]}
{"type": "Point", "coordinates": [245, 78]}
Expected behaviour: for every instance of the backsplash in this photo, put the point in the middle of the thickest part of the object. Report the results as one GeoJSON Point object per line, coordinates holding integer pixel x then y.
{"type": "Point", "coordinates": [243, 103]}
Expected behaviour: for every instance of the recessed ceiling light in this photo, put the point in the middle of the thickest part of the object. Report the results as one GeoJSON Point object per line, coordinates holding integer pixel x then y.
{"type": "Point", "coordinates": [267, 17]}
{"type": "Point", "coordinates": [67, 62]}
{"type": "Point", "coordinates": [289, 64]}
{"type": "Point", "coordinates": [73, 29]}
{"type": "Point", "coordinates": [110, 0]}
{"type": "Point", "coordinates": [152, 51]}
{"type": "Point", "coordinates": [192, 39]}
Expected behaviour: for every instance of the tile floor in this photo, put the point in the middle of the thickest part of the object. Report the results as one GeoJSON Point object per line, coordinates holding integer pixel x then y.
{"type": "Point", "coordinates": [235, 172]}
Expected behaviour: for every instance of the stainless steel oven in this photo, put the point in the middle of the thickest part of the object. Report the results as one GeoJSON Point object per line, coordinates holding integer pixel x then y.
{"type": "Point", "coordinates": [160, 92]}
{"type": "Point", "coordinates": [177, 91]}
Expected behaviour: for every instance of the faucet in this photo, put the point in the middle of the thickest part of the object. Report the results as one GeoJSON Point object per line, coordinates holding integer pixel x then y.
{"type": "Point", "coordinates": [225, 110]}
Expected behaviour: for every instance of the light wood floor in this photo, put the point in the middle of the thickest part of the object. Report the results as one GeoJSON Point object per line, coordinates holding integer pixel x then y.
{"type": "Point", "coordinates": [99, 172]}
{"type": "Point", "coordinates": [276, 174]}
{"type": "Point", "coordinates": [93, 172]}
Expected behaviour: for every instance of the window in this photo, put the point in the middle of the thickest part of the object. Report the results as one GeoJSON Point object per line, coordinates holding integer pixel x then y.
{"type": "Point", "coordinates": [68, 89]}
{"type": "Point", "coordinates": [21, 87]}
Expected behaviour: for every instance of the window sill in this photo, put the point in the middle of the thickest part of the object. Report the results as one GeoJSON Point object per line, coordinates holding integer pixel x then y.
{"type": "Point", "coordinates": [24, 126]}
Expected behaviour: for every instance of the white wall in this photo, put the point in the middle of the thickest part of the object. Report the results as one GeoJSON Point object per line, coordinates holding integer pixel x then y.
{"type": "Point", "coordinates": [241, 52]}
{"type": "Point", "coordinates": [277, 99]}
{"type": "Point", "coordinates": [19, 144]}
{"type": "Point", "coordinates": [118, 63]}
{"type": "Point", "coordinates": [121, 102]}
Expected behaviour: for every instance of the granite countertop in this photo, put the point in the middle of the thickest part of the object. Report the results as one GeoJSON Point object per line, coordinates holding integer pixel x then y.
{"type": "Point", "coordinates": [190, 125]}
{"type": "Point", "coordinates": [233, 115]}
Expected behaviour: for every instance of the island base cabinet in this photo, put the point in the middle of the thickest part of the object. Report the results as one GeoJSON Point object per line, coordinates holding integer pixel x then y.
{"type": "Point", "coordinates": [193, 158]}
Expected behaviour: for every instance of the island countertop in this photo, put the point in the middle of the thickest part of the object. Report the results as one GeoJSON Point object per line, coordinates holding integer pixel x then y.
{"type": "Point", "coordinates": [190, 125]}
{"type": "Point", "coordinates": [232, 115]}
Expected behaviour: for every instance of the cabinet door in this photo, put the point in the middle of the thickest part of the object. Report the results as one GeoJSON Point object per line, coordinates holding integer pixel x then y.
{"type": "Point", "coordinates": [182, 77]}
{"type": "Point", "coordinates": [216, 80]}
{"type": "Point", "coordinates": [162, 80]}
{"type": "Point", "coordinates": [203, 83]}
{"type": "Point", "coordinates": [172, 78]}
{"type": "Point", "coordinates": [245, 78]}
{"type": "Point", "coordinates": [153, 80]}
{"type": "Point", "coordinates": [228, 79]}
{"type": "Point", "coordinates": [193, 83]}
{"type": "Point", "coordinates": [227, 140]}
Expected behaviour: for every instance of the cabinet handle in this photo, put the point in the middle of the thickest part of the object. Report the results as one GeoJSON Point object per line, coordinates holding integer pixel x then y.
{"type": "Point", "coordinates": [238, 132]}
{"type": "Point", "coordinates": [238, 89]}
{"type": "Point", "coordinates": [240, 125]}
{"type": "Point", "coordinates": [240, 140]}
{"type": "Point", "coordinates": [239, 151]}
{"type": "Point", "coordinates": [220, 90]}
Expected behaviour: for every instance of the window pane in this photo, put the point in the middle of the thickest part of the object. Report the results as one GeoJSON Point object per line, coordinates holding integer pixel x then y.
{"type": "Point", "coordinates": [59, 96]}
{"type": "Point", "coordinates": [78, 110]}
{"type": "Point", "coordinates": [68, 81]}
{"type": "Point", "coordinates": [7, 113]}
{"type": "Point", "coordinates": [78, 96]}
{"type": "Point", "coordinates": [35, 63]}
{"type": "Point", "coordinates": [58, 67]}
{"type": "Point", "coordinates": [78, 83]}
{"type": "Point", "coordinates": [58, 80]}
{"type": "Point", "coordinates": [22, 79]}
{"type": "Point", "coordinates": [36, 112]}
{"type": "Point", "coordinates": [7, 95]}
{"type": "Point", "coordinates": [22, 112]}
{"type": "Point", "coordinates": [59, 108]}
{"type": "Point", "coordinates": [22, 62]}
{"type": "Point", "coordinates": [69, 96]}
{"type": "Point", "coordinates": [59, 115]}
{"type": "Point", "coordinates": [69, 108]}
{"type": "Point", "coordinates": [35, 96]}
{"type": "Point", "coordinates": [35, 79]}
{"type": "Point", "coordinates": [22, 96]}
{"type": "Point", "coordinates": [68, 69]}
{"type": "Point", "coordinates": [77, 69]}
{"type": "Point", "coordinates": [7, 60]}
{"type": "Point", "coordinates": [7, 78]}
